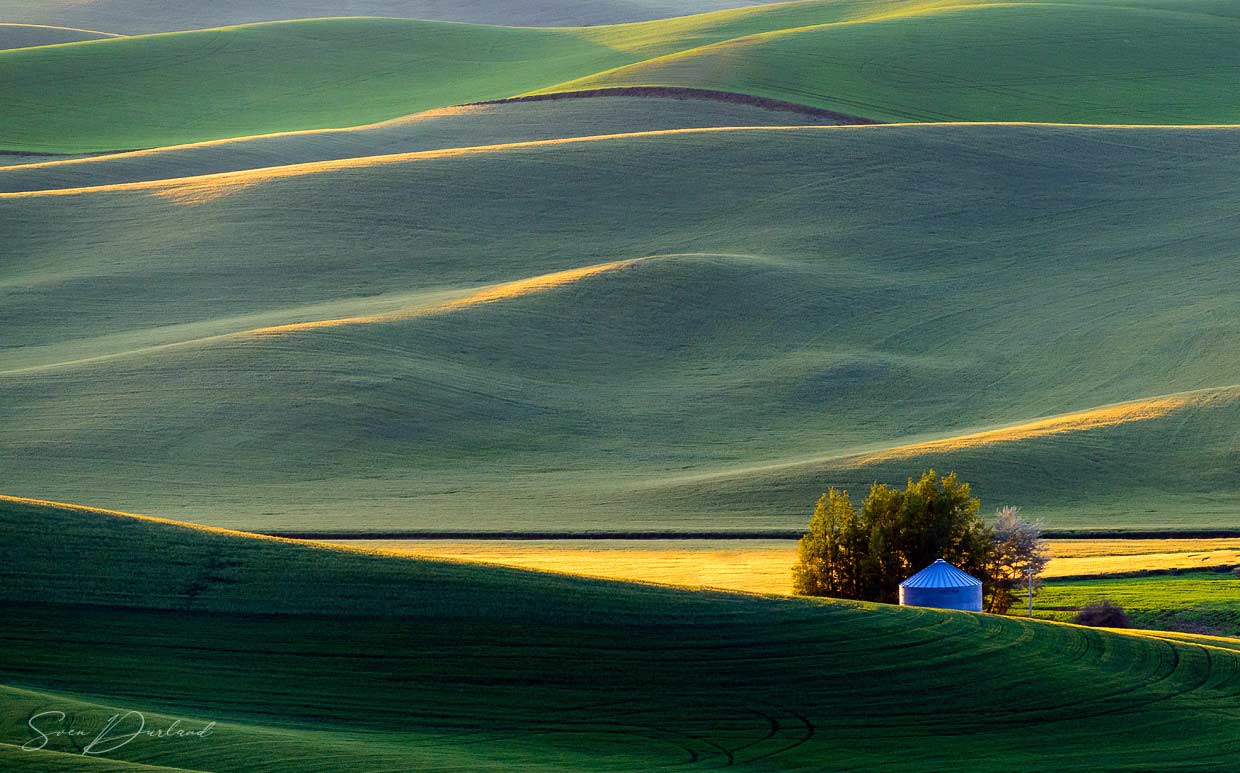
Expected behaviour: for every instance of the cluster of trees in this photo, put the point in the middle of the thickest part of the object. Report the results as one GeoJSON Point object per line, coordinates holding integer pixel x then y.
{"type": "Point", "coordinates": [865, 554]}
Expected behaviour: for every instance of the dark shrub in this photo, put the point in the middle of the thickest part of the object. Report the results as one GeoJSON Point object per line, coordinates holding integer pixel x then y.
{"type": "Point", "coordinates": [1103, 614]}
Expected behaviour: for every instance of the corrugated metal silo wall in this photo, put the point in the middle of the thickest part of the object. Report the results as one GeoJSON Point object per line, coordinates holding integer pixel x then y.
{"type": "Point", "coordinates": [968, 598]}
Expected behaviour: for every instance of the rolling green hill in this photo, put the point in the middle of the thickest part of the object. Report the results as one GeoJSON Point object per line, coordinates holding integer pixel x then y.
{"type": "Point", "coordinates": [1083, 62]}
{"type": "Point", "coordinates": [148, 91]}
{"type": "Point", "coordinates": [403, 664]}
{"type": "Point", "coordinates": [433, 130]}
{"type": "Point", "coordinates": [135, 17]}
{"type": "Point", "coordinates": [686, 329]}
{"type": "Point", "coordinates": [1158, 62]}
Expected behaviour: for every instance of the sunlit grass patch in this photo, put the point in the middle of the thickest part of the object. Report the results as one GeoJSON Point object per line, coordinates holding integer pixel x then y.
{"type": "Point", "coordinates": [1193, 601]}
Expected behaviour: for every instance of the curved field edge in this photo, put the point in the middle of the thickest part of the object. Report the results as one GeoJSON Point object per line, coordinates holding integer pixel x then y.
{"type": "Point", "coordinates": [201, 188]}
{"type": "Point", "coordinates": [682, 92]}
{"type": "Point", "coordinates": [207, 187]}
{"type": "Point", "coordinates": [398, 662]}
{"type": "Point", "coordinates": [471, 125]}
{"type": "Point", "coordinates": [14, 36]}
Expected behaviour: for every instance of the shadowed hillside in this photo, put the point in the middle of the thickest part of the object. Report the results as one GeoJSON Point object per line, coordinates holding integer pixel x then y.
{"type": "Point", "coordinates": [438, 666]}
{"type": "Point", "coordinates": [634, 340]}
{"type": "Point", "coordinates": [27, 35]}
{"type": "Point", "coordinates": [451, 127]}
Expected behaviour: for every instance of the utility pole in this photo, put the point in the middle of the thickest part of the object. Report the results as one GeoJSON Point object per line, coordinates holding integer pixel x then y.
{"type": "Point", "coordinates": [1030, 590]}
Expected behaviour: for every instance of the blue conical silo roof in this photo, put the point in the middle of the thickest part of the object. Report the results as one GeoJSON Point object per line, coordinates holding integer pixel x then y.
{"type": "Point", "coordinates": [941, 574]}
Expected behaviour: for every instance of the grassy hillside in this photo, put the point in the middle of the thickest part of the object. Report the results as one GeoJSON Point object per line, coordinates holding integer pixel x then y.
{"type": "Point", "coordinates": [27, 35]}
{"type": "Point", "coordinates": [158, 90]}
{"type": "Point", "coordinates": [1201, 602]}
{"type": "Point", "coordinates": [1081, 62]}
{"type": "Point", "coordinates": [635, 340]}
{"type": "Point", "coordinates": [1089, 62]}
{"type": "Point", "coordinates": [401, 664]}
{"type": "Point", "coordinates": [1129, 467]}
{"type": "Point", "coordinates": [451, 127]}
{"type": "Point", "coordinates": [134, 17]}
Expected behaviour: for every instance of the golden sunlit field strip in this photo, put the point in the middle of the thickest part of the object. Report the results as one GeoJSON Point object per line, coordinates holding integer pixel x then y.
{"type": "Point", "coordinates": [751, 566]}
{"type": "Point", "coordinates": [1080, 558]}
{"type": "Point", "coordinates": [765, 566]}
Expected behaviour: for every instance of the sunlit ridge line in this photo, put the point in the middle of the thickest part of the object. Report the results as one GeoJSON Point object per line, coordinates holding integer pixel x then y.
{"type": "Point", "coordinates": [246, 177]}
{"type": "Point", "coordinates": [142, 152]}
{"type": "Point", "coordinates": [1124, 412]}
{"type": "Point", "coordinates": [58, 27]}
{"type": "Point", "coordinates": [467, 298]}
{"type": "Point", "coordinates": [485, 295]}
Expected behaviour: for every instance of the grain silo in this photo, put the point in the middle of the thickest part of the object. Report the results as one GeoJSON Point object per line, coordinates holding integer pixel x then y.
{"type": "Point", "coordinates": [942, 586]}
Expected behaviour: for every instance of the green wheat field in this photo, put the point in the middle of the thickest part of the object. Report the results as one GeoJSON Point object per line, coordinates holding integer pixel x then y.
{"type": "Point", "coordinates": [387, 268]}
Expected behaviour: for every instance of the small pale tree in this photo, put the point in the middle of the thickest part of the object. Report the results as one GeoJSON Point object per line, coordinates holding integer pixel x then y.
{"type": "Point", "coordinates": [1020, 556]}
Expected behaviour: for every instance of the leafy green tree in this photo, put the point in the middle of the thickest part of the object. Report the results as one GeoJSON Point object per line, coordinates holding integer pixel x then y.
{"type": "Point", "coordinates": [827, 551]}
{"type": "Point", "coordinates": [882, 568]}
